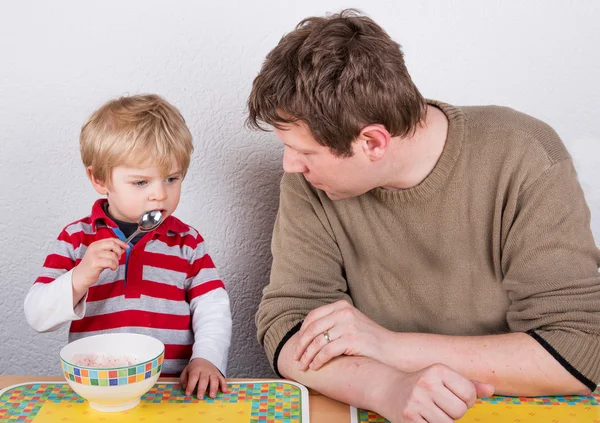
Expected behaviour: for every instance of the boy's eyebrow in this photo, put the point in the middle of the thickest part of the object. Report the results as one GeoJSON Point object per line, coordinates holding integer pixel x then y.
{"type": "Point", "coordinates": [178, 172]}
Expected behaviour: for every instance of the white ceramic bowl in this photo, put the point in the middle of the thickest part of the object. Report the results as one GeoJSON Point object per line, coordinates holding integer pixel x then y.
{"type": "Point", "coordinates": [113, 388]}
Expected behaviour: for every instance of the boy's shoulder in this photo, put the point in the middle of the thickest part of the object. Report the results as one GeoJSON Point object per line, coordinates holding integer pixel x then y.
{"type": "Point", "coordinates": [83, 225]}
{"type": "Point", "coordinates": [187, 234]}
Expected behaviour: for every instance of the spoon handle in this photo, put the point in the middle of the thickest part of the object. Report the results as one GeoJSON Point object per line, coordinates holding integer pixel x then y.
{"type": "Point", "coordinates": [133, 235]}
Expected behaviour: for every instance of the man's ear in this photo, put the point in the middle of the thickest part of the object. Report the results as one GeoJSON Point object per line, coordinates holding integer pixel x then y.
{"type": "Point", "coordinates": [375, 141]}
{"type": "Point", "coordinates": [100, 187]}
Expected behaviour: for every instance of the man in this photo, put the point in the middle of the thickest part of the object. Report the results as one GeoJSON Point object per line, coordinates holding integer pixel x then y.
{"type": "Point", "coordinates": [424, 254]}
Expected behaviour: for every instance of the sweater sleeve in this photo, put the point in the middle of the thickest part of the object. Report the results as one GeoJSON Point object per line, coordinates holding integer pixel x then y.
{"type": "Point", "coordinates": [307, 270]}
{"type": "Point", "coordinates": [550, 265]}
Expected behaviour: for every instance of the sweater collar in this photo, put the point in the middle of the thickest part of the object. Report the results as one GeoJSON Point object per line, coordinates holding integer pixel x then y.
{"type": "Point", "coordinates": [444, 166]}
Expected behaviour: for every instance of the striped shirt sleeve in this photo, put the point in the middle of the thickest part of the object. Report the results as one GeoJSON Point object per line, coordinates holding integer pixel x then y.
{"type": "Point", "coordinates": [202, 274]}
{"type": "Point", "coordinates": [49, 302]}
{"type": "Point", "coordinates": [210, 308]}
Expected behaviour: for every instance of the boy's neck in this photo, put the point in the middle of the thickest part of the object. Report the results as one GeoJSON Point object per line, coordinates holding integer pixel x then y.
{"type": "Point", "coordinates": [127, 228]}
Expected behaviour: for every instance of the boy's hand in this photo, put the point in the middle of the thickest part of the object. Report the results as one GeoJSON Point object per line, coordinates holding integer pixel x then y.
{"type": "Point", "coordinates": [100, 255]}
{"type": "Point", "coordinates": [202, 372]}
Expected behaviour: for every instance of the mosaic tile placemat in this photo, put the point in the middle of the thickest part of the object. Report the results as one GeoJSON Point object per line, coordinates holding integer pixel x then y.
{"type": "Point", "coordinates": [498, 409]}
{"type": "Point", "coordinates": [248, 402]}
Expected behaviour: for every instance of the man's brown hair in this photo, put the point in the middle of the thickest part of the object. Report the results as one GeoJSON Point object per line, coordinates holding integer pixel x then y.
{"type": "Point", "coordinates": [337, 74]}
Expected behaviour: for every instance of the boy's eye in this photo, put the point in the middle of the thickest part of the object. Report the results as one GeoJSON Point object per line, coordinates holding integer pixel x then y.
{"type": "Point", "coordinates": [139, 183]}
{"type": "Point", "coordinates": [172, 179]}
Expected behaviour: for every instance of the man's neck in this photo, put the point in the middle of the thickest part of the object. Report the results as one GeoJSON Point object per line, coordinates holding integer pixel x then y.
{"type": "Point", "coordinates": [412, 159]}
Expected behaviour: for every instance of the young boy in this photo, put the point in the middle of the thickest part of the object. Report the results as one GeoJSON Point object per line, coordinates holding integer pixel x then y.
{"type": "Point", "coordinates": [136, 151]}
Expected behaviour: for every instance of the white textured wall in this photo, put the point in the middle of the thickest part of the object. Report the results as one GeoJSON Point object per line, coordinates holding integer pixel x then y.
{"type": "Point", "coordinates": [59, 60]}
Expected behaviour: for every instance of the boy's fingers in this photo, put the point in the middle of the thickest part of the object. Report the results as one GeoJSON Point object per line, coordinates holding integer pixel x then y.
{"type": "Point", "coordinates": [202, 385]}
{"type": "Point", "coordinates": [214, 385]}
{"type": "Point", "coordinates": [224, 386]}
{"type": "Point", "coordinates": [183, 378]}
{"type": "Point", "coordinates": [120, 243]}
{"type": "Point", "coordinates": [191, 383]}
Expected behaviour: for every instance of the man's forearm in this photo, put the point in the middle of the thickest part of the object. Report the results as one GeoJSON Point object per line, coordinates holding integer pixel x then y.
{"type": "Point", "coordinates": [359, 381]}
{"type": "Point", "coordinates": [514, 363]}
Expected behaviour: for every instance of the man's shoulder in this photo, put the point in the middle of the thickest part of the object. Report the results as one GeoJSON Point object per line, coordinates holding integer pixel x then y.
{"type": "Point", "coordinates": [518, 130]}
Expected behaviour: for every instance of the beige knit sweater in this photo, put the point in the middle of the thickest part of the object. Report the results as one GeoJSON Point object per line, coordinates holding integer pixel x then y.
{"type": "Point", "coordinates": [496, 239]}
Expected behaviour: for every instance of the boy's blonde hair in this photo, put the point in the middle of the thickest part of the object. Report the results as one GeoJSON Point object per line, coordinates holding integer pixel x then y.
{"type": "Point", "coordinates": [135, 130]}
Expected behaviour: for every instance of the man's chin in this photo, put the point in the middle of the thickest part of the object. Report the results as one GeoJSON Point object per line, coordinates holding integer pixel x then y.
{"type": "Point", "coordinates": [335, 196]}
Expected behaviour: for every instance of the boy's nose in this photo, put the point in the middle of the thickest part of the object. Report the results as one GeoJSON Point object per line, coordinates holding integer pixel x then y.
{"type": "Point", "coordinates": [159, 193]}
{"type": "Point", "coordinates": [292, 163]}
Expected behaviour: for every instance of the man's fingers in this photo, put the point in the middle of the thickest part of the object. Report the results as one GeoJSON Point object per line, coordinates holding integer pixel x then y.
{"type": "Point", "coordinates": [320, 312]}
{"type": "Point", "coordinates": [311, 351]}
{"type": "Point", "coordinates": [312, 333]}
{"type": "Point", "coordinates": [433, 414]}
{"type": "Point", "coordinates": [450, 403]}
{"type": "Point", "coordinates": [483, 390]}
{"type": "Point", "coordinates": [329, 351]}
{"type": "Point", "coordinates": [459, 385]}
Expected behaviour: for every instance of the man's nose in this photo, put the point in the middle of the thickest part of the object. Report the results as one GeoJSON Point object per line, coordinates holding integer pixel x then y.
{"type": "Point", "coordinates": [292, 163]}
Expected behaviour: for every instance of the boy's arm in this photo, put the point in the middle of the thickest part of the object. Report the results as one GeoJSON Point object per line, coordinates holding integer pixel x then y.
{"type": "Point", "coordinates": [211, 322]}
{"type": "Point", "coordinates": [49, 302]}
{"type": "Point", "coordinates": [48, 306]}
{"type": "Point", "coordinates": [210, 309]}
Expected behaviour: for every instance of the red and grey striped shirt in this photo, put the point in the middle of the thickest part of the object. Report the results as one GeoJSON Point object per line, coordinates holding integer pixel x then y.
{"type": "Point", "coordinates": [166, 286]}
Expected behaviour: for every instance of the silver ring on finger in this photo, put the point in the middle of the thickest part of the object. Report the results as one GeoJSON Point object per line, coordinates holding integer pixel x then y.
{"type": "Point", "coordinates": [327, 337]}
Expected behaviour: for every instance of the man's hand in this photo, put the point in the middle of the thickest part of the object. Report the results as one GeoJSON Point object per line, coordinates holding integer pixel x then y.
{"type": "Point", "coordinates": [436, 394]}
{"type": "Point", "coordinates": [100, 255]}
{"type": "Point", "coordinates": [350, 332]}
{"type": "Point", "coordinates": [203, 373]}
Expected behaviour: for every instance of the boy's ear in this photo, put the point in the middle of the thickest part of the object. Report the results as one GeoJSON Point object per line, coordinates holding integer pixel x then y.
{"type": "Point", "coordinates": [100, 187]}
{"type": "Point", "coordinates": [376, 140]}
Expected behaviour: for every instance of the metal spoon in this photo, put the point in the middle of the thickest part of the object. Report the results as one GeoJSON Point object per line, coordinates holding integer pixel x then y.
{"type": "Point", "coordinates": [148, 222]}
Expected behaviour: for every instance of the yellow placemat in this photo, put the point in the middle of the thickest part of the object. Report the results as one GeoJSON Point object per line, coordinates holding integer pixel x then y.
{"type": "Point", "coordinates": [499, 409]}
{"type": "Point", "coordinates": [276, 401]}
{"type": "Point", "coordinates": [147, 413]}
{"type": "Point", "coordinates": [487, 413]}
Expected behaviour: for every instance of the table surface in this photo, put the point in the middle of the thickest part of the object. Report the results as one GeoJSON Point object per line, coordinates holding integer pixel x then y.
{"type": "Point", "coordinates": [325, 410]}
{"type": "Point", "coordinates": [322, 409]}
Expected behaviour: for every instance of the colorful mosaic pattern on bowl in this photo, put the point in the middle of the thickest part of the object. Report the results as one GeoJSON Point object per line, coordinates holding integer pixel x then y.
{"type": "Point", "coordinates": [274, 402]}
{"type": "Point", "coordinates": [112, 377]}
{"type": "Point", "coordinates": [592, 400]}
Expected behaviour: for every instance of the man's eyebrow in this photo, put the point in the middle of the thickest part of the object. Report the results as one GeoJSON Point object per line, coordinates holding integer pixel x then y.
{"type": "Point", "coordinates": [301, 150]}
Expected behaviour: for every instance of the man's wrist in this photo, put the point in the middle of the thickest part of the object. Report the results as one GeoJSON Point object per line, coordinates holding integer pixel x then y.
{"type": "Point", "coordinates": [396, 351]}
{"type": "Point", "coordinates": [382, 392]}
